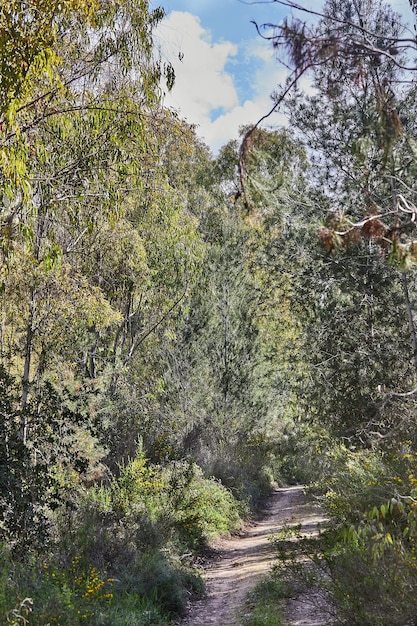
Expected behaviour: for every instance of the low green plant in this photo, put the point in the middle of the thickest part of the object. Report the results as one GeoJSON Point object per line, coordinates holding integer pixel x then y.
{"type": "Point", "coordinates": [266, 602]}
{"type": "Point", "coordinates": [246, 466]}
{"type": "Point", "coordinates": [151, 590]}
{"type": "Point", "coordinates": [8, 598]}
{"type": "Point", "coordinates": [287, 532]}
{"type": "Point", "coordinates": [134, 611]}
{"type": "Point", "coordinates": [283, 541]}
{"type": "Point", "coordinates": [369, 589]}
{"type": "Point", "coordinates": [168, 585]}
{"type": "Point", "coordinates": [120, 553]}
{"type": "Point", "coordinates": [365, 562]}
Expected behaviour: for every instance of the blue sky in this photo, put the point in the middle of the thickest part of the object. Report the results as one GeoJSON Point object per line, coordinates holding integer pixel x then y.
{"type": "Point", "coordinates": [227, 71]}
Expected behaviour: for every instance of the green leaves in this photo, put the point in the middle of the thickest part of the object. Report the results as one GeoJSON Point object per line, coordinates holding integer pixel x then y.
{"type": "Point", "coordinates": [28, 471]}
{"type": "Point", "coordinates": [28, 41]}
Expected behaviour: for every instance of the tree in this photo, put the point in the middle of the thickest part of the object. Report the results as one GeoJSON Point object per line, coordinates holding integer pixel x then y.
{"type": "Point", "coordinates": [32, 470]}
{"type": "Point", "coordinates": [355, 126]}
{"type": "Point", "coordinates": [40, 39]}
{"type": "Point", "coordinates": [148, 275]}
{"type": "Point", "coordinates": [63, 127]}
{"type": "Point", "coordinates": [354, 59]}
{"type": "Point", "coordinates": [29, 35]}
{"type": "Point", "coordinates": [228, 382]}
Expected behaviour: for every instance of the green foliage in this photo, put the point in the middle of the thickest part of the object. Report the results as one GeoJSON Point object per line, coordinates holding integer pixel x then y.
{"type": "Point", "coordinates": [370, 590]}
{"type": "Point", "coordinates": [199, 318]}
{"type": "Point", "coordinates": [29, 33]}
{"type": "Point", "coordinates": [119, 549]}
{"type": "Point", "coordinates": [168, 586]}
{"type": "Point", "coordinates": [266, 602]}
{"type": "Point", "coordinates": [206, 509]}
{"type": "Point", "coordinates": [39, 40]}
{"type": "Point", "coordinates": [352, 481]}
{"type": "Point", "coordinates": [122, 547]}
{"type": "Point", "coordinates": [75, 594]}
{"type": "Point", "coordinates": [8, 596]}
{"type": "Point", "coordinates": [148, 506]}
{"type": "Point", "coordinates": [247, 466]}
{"type": "Point", "coordinates": [366, 558]}
{"type": "Point", "coordinates": [135, 301]}
{"type": "Point", "coordinates": [360, 299]}
{"type": "Point", "coordinates": [355, 311]}
{"type": "Point", "coordinates": [29, 470]}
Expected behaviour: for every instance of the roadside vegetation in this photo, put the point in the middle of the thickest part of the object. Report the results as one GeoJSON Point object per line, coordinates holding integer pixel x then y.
{"type": "Point", "coordinates": [122, 552]}
{"type": "Point", "coordinates": [179, 331]}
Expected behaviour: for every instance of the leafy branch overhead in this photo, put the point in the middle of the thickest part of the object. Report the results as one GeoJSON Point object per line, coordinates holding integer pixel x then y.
{"type": "Point", "coordinates": [344, 31]}
{"type": "Point", "coordinates": [49, 47]}
{"type": "Point", "coordinates": [363, 58]}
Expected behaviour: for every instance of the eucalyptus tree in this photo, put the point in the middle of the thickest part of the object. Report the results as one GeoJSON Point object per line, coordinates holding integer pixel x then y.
{"type": "Point", "coordinates": [99, 242]}
{"type": "Point", "coordinates": [149, 277]}
{"type": "Point", "coordinates": [358, 124]}
{"type": "Point", "coordinates": [59, 93]}
{"type": "Point", "coordinates": [229, 384]}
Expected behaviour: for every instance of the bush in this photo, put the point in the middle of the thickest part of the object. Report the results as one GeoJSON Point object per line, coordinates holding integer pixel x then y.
{"type": "Point", "coordinates": [149, 590]}
{"type": "Point", "coordinates": [368, 554]}
{"type": "Point", "coordinates": [120, 553]}
{"type": "Point", "coordinates": [247, 467]}
{"type": "Point", "coordinates": [168, 586]}
{"type": "Point", "coordinates": [369, 589]}
{"type": "Point", "coordinates": [205, 511]}
{"type": "Point", "coordinates": [29, 485]}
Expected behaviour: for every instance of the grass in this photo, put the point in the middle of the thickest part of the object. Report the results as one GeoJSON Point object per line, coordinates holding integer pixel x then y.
{"type": "Point", "coordinates": [266, 602]}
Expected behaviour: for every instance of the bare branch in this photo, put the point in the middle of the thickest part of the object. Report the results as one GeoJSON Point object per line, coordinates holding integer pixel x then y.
{"type": "Point", "coordinates": [411, 42]}
{"type": "Point", "coordinates": [150, 330]}
{"type": "Point", "coordinates": [245, 141]}
{"type": "Point", "coordinates": [347, 48]}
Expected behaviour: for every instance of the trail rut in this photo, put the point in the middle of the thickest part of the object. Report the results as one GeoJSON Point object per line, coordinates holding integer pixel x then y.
{"type": "Point", "coordinates": [243, 560]}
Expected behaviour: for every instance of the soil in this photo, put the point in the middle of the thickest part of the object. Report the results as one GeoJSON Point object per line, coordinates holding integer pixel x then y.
{"type": "Point", "coordinates": [243, 560]}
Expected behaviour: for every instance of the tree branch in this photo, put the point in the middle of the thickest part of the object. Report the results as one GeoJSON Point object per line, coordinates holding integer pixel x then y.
{"type": "Point", "coordinates": [146, 334]}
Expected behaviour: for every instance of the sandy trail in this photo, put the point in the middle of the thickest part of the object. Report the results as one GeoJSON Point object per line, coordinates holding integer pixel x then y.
{"type": "Point", "coordinates": [243, 560]}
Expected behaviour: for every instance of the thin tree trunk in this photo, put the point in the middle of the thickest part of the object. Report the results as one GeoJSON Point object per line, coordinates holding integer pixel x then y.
{"type": "Point", "coordinates": [27, 365]}
{"type": "Point", "coordinates": [411, 324]}
{"type": "Point", "coordinates": [406, 291]}
{"type": "Point", "coordinates": [226, 373]}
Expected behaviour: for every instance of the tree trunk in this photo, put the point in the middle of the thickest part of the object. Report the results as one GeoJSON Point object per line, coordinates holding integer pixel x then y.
{"type": "Point", "coordinates": [27, 365]}
{"type": "Point", "coordinates": [411, 323]}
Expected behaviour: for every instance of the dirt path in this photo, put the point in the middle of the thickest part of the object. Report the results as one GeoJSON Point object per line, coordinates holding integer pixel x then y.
{"type": "Point", "coordinates": [245, 559]}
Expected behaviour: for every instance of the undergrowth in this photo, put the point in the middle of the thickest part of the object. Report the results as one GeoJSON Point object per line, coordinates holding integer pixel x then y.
{"type": "Point", "coordinates": [364, 563]}
{"type": "Point", "coordinates": [121, 553]}
{"type": "Point", "coordinates": [265, 604]}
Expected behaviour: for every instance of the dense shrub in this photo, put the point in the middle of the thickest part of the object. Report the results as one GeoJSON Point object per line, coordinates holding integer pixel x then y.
{"type": "Point", "coordinates": [168, 586]}
{"type": "Point", "coordinates": [206, 510]}
{"type": "Point", "coordinates": [119, 553]}
{"type": "Point", "coordinates": [246, 466]}
{"type": "Point", "coordinates": [369, 589]}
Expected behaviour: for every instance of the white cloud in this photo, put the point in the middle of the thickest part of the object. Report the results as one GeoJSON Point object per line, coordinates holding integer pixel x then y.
{"type": "Point", "coordinates": [265, 80]}
{"type": "Point", "coordinates": [203, 85]}
{"type": "Point", "coordinates": [204, 89]}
